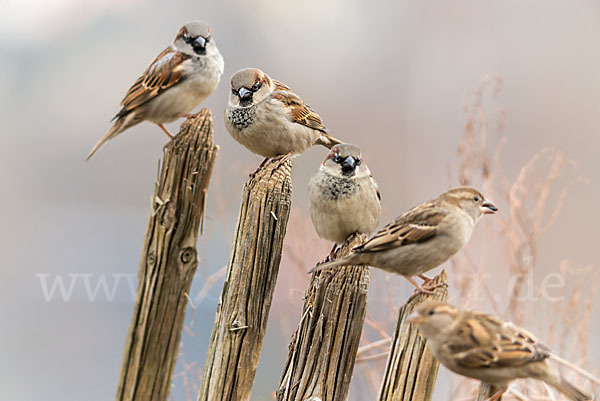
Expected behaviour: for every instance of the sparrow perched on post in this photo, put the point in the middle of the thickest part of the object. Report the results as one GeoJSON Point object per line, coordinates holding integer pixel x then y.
{"type": "Point", "coordinates": [269, 119]}
{"type": "Point", "coordinates": [486, 348]}
{"type": "Point", "coordinates": [422, 238]}
{"type": "Point", "coordinates": [178, 80]}
{"type": "Point", "coordinates": [343, 196]}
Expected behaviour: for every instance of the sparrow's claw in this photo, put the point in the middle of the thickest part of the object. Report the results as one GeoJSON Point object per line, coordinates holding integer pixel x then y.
{"type": "Point", "coordinates": [426, 288]}
{"type": "Point", "coordinates": [261, 165]}
{"type": "Point", "coordinates": [496, 396]}
{"type": "Point", "coordinates": [332, 252]}
{"type": "Point", "coordinates": [281, 159]}
{"type": "Point", "coordinates": [187, 116]}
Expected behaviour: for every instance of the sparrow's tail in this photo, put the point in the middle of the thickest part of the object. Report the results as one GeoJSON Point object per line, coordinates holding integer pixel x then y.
{"type": "Point", "coordinates": [346, 260]}
{"type": "Point", "coordinates": [328, 141]}
{"type": "Point", "coordinates": [120, 125]}
{"type": "Point", "coordinates": [569, 390]}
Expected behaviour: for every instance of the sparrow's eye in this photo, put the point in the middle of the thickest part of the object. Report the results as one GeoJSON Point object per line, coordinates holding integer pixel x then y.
{"type": "Point", "coordinates": [358, 162]}
{"type": "Point", "coordinates": [476, 198]}
{"type": "Point", "coordinates": [256, 86]}
{"type": "Point", "coordinates": [431, 312]}
{"type": "Point", "coordinates": [337, 159]}
{"type": "Point", "coordinates": [234, 92]}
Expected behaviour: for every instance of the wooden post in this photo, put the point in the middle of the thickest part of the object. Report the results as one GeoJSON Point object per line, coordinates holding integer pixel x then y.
{"type": "Point", "coordinates": [169, 260]}
{"type": "Point", "coordinates": [241, 320]}
{"type": "Point", "coordinates": [411, 370]}
{"type": "Point", "coordinates": [323, 349]}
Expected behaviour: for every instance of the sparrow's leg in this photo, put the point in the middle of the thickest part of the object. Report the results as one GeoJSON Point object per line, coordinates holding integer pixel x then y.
{"type": "Point", "coordinates": [332, 252]}
{"type": "Point", "coordinates": [427, 288]}
{"type": "Point", "coordinates": [262, 164]}
{"type": "Point", "coordinates": [424, 278]}
{"type": "Point", "coordinates": [165, 130]}
{"type": "Point", "coordinates": [496, 396]}
{"type": "Point", "coordinates": [187, 117]}
{"type": "Point", "coordinates": [282, 159]}
{"type": "Point", "coordinates": [420, 289]}
{"type": "Point", "coordinates": [427, 282]}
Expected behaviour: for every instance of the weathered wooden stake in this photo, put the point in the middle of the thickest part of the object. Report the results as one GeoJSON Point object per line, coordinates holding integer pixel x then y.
{"type": "Point", "coordinates": [411, 370]}
{"type": "Point", "coordinates": [243, 309]}
{"type": "Point", "coordinates": [169, 260]}
{"type": "Point", "coordinates": [323, 349]}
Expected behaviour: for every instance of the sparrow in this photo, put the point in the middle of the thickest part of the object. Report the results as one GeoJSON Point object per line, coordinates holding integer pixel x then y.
{"type": "Point", "coordinates": [269, 119]}
{"type": "Point", "coordinates": [180, 78]}
{"type": "Point", "coordinates": [422, 238]}
{"type": "Point", "coordinates": [483, 347]}
{"type": "Point", "coordinates": [343, 196]}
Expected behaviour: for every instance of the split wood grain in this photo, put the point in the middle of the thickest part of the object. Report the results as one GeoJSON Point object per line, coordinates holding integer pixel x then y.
{"type": "Point", "coordinates": [169, 260]}
{"type": "Point", "coordinates": [411, 369]}
{"type": "Point", "coordinates": [243, 310]}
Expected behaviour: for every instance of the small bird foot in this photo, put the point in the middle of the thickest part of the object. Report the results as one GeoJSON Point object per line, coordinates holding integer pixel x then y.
{"type": "Point", "coordinates": [332, 252]}
{"type": "Point", "coordinates": [281, 159]}
{"type": "Point", "coordinates": [187, 117]}
{"type": "Point", "coordinates": [426, 288]}
{"type": "Point", "coordinates": [261, 165]}
{"type": "Point", "coordinates": [166, 131]}
{"type": "Point", "coordinates": [427, 283]}
{"type": "Point", "coordinates": [496, 396]}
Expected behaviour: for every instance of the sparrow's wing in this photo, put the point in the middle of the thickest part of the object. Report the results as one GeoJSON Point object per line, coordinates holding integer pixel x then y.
{"type": "Point", "coordinates": [279, 86]}
{"type": "Point", "coordinates": [417, 225]}
{"type": "Point", "coordinates": [163, 73]}
{"type": "Point", "coordinates": [483, 341]}
{"type": "Point", "coordinates": [376, 186]}
{"type": "Point", "coordinates": [300, 112]}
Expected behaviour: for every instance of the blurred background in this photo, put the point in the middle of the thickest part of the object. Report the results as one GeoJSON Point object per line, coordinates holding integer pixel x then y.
{"type": "Point", "coordinates": [434, 92]}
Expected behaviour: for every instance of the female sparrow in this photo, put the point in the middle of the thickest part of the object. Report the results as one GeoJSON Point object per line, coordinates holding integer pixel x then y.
{"type": "Point", "coordinates": [486, 348]}
{"type": "Point", "coordinates": [422, 238]}
{"type": "Point", "coordinates": [178, 80]}
{"type": "Point", "coordinates": [343, 196]}
{"type": "Point", "coordinates": [269, 119]}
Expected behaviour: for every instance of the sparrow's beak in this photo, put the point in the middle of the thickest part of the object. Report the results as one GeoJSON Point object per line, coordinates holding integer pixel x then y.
{"type": "Point", "coordinates": [200, 42]}
{"type": "Point", "coordinates": [348, 164]}
{"type": "Point", "coordinates": [245, 93]}
{"type": "Point", "coordinates": [488, 207]}
{"type": "Point", "coordinates": [415, 318]}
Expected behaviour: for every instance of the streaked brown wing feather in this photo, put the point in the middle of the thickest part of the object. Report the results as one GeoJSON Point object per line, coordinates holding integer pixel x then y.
{"type": "Point", "coordinates": [162, 74]}
{"type": "Point", "coordinates": [279, 86]}
{"type": "Point", "coordinates": [301, 113]}
{"type": "Point", "coordinates": [474, 345]}
{"type": "Point", "coordinates": [416, 225]}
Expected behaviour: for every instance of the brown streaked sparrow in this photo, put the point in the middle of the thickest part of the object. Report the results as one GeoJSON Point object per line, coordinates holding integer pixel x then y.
{"type": "Point", "coordinates": [422, 238]}
{"type": "Point", "coordinates": [483, 347]}
{"type": "Point", "coordinates": [178, 80]}
{"type": "Point", "coordinates": [344, 198]}
{"type": "Point", "coordinates": [269, 119]}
